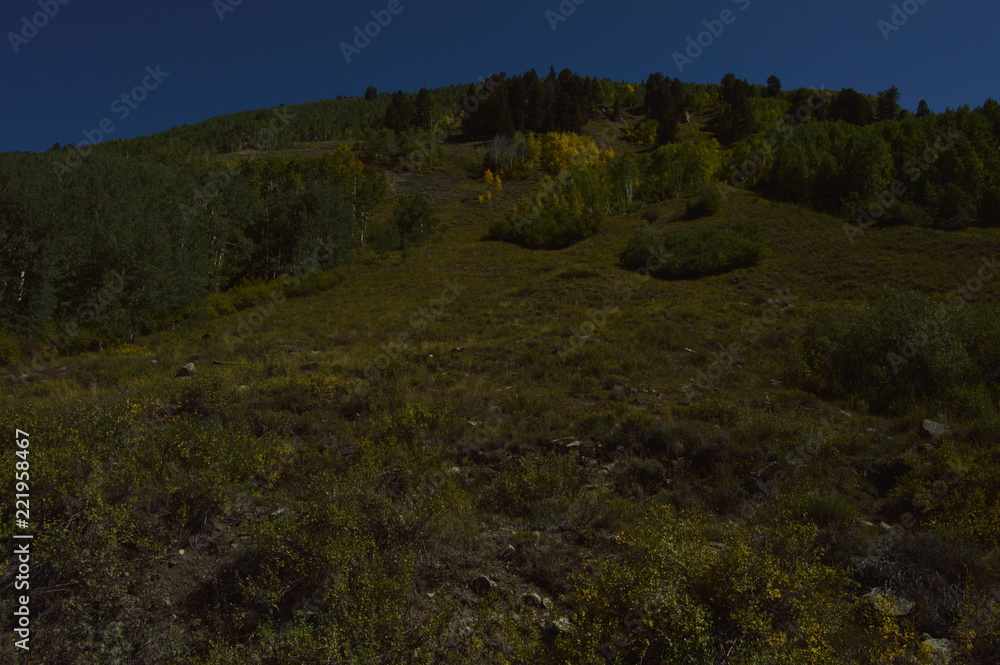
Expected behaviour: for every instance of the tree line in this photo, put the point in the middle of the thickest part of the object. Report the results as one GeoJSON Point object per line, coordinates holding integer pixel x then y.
{"type": "Point", "coordinates": [122, 245]}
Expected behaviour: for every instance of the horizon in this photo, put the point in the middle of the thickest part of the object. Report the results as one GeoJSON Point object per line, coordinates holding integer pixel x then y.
{"type": "Point", "coordinates": [72, 66]}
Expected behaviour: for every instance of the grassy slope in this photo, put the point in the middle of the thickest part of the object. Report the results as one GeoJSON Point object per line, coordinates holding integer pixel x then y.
{"type": "Point", "coordinates": [298, 398]}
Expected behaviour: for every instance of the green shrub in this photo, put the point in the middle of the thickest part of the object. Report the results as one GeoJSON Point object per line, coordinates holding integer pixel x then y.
{"type": "Point", "coordinates": [708, 203]}
{"type": "Point", "coordinates": [252, 292]}
{"type": "Point", "coordinates": [825, 510]}
{"type": "Point", "coordinates": [548, 229]}
{"type": "Point", "coordinates": [10, 349]}
{"type": "Point", "coordinates": [219, 304]}
{"type": "Point", "coordinates": [414, 219]}
{"type": "Point", "coordinates": [899, 213]}
{"type": "Point", "coordinates": [650, 212]}
{"type": "Point", "coordinates": [316, 281]}
{"type": "Point", "coordinates": [899, 350]}
{"type": "Point", "coordinates": [384, 237]}
{"type": "Point", "coordinates": [694, 253]}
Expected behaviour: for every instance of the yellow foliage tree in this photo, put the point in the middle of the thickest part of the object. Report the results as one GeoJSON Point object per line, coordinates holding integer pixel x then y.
{"type": "Point", "coordinates": [554, 152]}
{"type": "Point", "coordinates": [494, 185]}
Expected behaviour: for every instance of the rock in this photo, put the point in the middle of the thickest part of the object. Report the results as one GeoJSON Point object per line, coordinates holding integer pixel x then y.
{"type": "Point", "coordinates": [888, 601]}
{"type": "Point", "coordinates": [563, 625]}
{"type": "Point", "coordinates": [392, 482]}
{"type": "Point", "coordinates": [186, 371]}
{"type": "Point", "coordinates": [932, 430]}
{"type": "Point", "coordinates": [939, 650]}
{"type": "Point", "coordinates": [482, 585]}
{"type": "Point", "coordinates": [458, 349]}
{"type": "Point", "coordinates": [532, 599]}
{"type": "Point", "coordinates": [14, 380]}
{"type": "Point", "coordinates": [547, 603]}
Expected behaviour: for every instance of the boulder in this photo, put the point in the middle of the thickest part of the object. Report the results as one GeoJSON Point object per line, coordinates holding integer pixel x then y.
{"type": "Point", "coordinates": [889, 602]}
{"type": "Point", "coordinates": [186, 371]}
{"type": "Point", "coordinates": [532, 599]}
{"type": "Point", "coordinates": [932, 430]}
{"type": "Point", "coordinates": [563, 625]}
{"type": "Point", "coordinates": [938, 651]}
{"type": "Point", "coordinates": [482, 585]}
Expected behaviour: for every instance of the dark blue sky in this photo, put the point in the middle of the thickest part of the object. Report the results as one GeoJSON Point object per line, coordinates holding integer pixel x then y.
{"type": "Point", "coordinates": [65, 76]}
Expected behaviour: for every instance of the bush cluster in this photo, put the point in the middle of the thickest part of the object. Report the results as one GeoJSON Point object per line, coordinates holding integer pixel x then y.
{"type": "Point", "coordinates": [553, 228]}
{"type": "Point", "coordinates": [901, 349]}
{"type": "Point", "coordinates": [695, 253]}
{"type": "Point", "coordinates": [708, 203]}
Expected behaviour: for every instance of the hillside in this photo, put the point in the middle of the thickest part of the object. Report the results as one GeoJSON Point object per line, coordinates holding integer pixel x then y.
{"type": "Point", "coordinates": [455, 449]}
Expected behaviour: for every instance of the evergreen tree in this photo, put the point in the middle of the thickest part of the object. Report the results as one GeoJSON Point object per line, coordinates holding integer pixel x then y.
{"type": "Point", "coordinates": [518, 100]}
{"type": "Point", "coordinates": [922, 109]}
{"type": "Point", "coordinates": [559, 103]}
{"type": "Point", "coordinates": [738, 121]}
{"type": "Point", "coordinates": [728, 87]}
{"type": "Point", "coordinates": [399, 115]}
{"type": "Point", "coordinates": [887, 104]}
{"type": "Point", "coordinates": [773, 86]}
{"type": "Point", "coordinates": [665, 103]}
{"type": "Point", "coordinates": [423, 109]}
{"type": "Point", "coordinates": [851, 107]}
